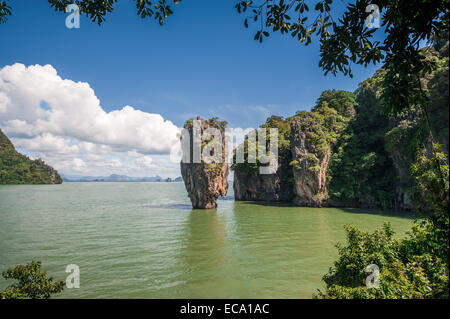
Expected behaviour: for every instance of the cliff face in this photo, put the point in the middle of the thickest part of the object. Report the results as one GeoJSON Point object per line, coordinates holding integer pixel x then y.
{"type": "Point", "coordinates": [347, 152]}
{"type": "Point", "coordinates": [16, 168]}
{"type": "Point", "coordinates": [305, 143]}
{"type": "Point", "coordinates": [252, 186]}
{"type": "Point", "coordinates": [204, 182]}
{"type": "Point", "coordinates": [311, 157]}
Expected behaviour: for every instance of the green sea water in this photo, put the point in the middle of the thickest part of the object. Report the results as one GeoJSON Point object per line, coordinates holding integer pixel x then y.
{"type": "Point", "coordinates": [143, 240]}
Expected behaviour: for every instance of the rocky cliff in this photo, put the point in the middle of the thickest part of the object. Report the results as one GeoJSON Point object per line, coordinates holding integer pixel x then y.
{"type": "Point", "coordinates": [252, 186]}
{"type": "Point", "coordinates": [204, 181]}
{"type": "Point", "coordinates": [347, 152]}
{"type": "Point", "coordinates": [305, 143]}
{"type": "Point", "coordinates": [16, 168]}
{"type": "Point", "coordinates": [311, 156]}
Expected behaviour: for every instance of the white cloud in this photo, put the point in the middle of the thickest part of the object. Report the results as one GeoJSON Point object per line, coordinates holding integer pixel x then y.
{"type": "Point", "coordinates": [78, 165]}
{"type": "Point", "coordinates": [115, 162]}
{"type": "Point", "coordinates": [47, 142]}
{"type": "Point", "coordinates": [63, 122]}
{"type": "Point", "coordinates": [74, 110]}
{"type": "Point", "coordinates": [145, 161]}
{"type": "Point", "coordinates": [4, 101]}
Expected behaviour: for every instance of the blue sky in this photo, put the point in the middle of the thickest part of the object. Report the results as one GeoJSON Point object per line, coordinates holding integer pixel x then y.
{"type": "Point", "coordinates": [201, 62]}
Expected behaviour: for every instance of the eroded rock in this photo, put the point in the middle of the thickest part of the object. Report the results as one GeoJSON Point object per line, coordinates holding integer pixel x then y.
{"type": "Point", "coordinates": [311, 154]}
{"type": "Point", "coordinates": [204, 181]}
{"type": "Point", "coordinates": [253, 186]}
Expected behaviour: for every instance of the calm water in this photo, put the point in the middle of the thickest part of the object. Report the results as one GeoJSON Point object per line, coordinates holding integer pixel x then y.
{"type": "Point", "coordinates": [142, 240]}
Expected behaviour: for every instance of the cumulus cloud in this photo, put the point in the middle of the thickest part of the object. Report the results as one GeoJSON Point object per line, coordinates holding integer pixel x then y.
{"type": "Point", "coordinates": [63, 122]}
{"type": "Point", "coordinates": [72, 109]}
{"type": "Point", "coordinates": [78, 165]}
{"type": "Point", "coordinates": [145, 161]}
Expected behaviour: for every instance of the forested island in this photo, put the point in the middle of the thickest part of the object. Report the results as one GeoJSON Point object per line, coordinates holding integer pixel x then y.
{"type": "Point", "coordinates": [354, 150]}
{"type": "Point", "coordinates": [16, 168]}
{"type": "Point", "coordinates": [346, 152]}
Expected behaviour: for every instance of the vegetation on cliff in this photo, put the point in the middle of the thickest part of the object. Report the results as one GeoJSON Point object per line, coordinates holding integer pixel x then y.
{"type": "Point", "coordinates": [322, 128]}
{"type": "Point", "coordinates": [382, 156]}
{"type": "Point", "coordinates": [371, 149]}
{"type": "Point", "coordinates": [206, 177]}
{"type": "Point", "coordinates": [16, 168]}
{"type": "Point", "coordinates": [414, 267]}
{"type": "Point", "coordinates": [249, 184]}
{"type": "Point", "coordinates": [361, 171]}
{"type": "Point", "coordinates": [418, 266]}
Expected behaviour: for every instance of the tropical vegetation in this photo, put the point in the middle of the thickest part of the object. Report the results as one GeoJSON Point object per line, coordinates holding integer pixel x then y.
{"type": "Point", "coordinates": [16, 168]}
{"type": "Point", "coordinates": [30, 282]}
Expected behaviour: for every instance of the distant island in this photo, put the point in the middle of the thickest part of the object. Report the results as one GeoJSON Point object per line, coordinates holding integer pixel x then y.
{"type": "Point", "coordinates": [16, 168]}
{"type": "Point", "coordinates": [117, 178]}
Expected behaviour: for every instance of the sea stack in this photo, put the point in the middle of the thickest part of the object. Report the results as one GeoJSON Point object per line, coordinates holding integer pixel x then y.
{"type": "Point", "coordinates": [204, 166]}
{"type": "Point", "coordinates": [311, 154]}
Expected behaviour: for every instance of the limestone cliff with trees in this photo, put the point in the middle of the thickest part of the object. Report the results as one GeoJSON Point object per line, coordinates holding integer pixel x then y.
{"type": "Point", "coordinates": [205, 181]}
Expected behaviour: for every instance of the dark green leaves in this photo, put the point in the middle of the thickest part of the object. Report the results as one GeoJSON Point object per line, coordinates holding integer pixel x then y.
{"type": "Point", "coordinates": [288, 17]}
{"type": "Point", "coordinates": [5, 11]}
{"type": "Point", "coordinates": [346, 39]}
{"type": "Point", "coordinates": [97, 10]}
{"type": "Point", "coordinates": [31, 283]}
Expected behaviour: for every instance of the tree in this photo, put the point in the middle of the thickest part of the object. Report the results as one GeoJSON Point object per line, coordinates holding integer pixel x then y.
{"type": "Point", "coordinates": [96, 10]}
{"type": "Point", "coordinates": [408, 268]}
{"type": "Point", "coordinates": [32, 283]}
{"type": "Point", "coordinates": [415, 267]}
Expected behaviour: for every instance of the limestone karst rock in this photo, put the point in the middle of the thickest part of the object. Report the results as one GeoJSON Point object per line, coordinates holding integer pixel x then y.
{"type": "Point", "coordinates": [252, 186]}
{"type": "Point", "coordinates": [311, 155]}
{"type": "Point", "coordinates": [204, 181]}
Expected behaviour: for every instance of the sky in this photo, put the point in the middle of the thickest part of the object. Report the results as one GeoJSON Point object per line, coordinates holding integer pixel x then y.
{"type": "Point", "coordinates": [111, 99]}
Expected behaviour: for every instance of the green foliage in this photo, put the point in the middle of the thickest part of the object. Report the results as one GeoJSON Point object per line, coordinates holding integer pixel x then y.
{"type": "Point", "coordinates": [31, 283]}
{"type": "Point", "coordinates": [16, 168]}
{"type": "Point", "coordinates": [361, 171]}
{"type": "Point", "coordinates": [343, 102]}
{"type": "Point", "coordinates": [97, 10]}
{"type": "Point", "coordinates": [312, 124]}
{"type": "Point", "coordinates": [409, 268]}
{"type": "Point", "coordinates": [284, 145]}
{"type": "Point", "coordinates": [428, 192]}
{"type": "Point", "coordinates": [212, 122]}
{"type": "Point", "coordinates": [5, 10]}
{"type": "Point", "coordinates": [214, 168]}
{"type": "Point", "coordinates": [415, 267]}
{"type": "Point", "coordinates": [371, 162]}
{"type": "Point", "coordinates": [346, 39]}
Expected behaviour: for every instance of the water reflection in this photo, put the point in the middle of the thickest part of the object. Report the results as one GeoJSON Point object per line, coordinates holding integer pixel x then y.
{"type": "Point", "coordinates": [205, 256]}
{"type": "Point", "coordinates": [169, 206]}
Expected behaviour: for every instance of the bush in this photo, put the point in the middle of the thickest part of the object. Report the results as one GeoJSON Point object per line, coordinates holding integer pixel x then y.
{"type": "Point", "coordinates": [415, 267]}
{"type": "Point", "coordinates": [408, 268]}
{"type": "Point", "coordinates": [32, 283]}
